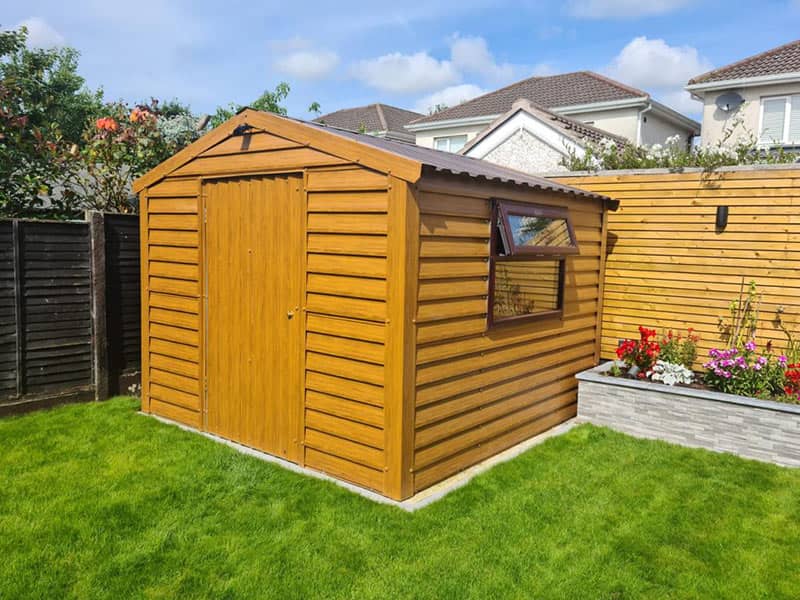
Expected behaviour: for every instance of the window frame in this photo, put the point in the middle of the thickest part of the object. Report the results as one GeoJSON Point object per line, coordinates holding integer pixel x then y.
{"type": "Point", "coordinates": [499, 218]}
{"type": "Point", "coordinates": [787, 116]}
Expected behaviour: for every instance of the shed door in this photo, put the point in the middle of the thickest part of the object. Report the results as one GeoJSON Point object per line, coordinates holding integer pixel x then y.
{"type": "Point", "coordinates": [253, 250]}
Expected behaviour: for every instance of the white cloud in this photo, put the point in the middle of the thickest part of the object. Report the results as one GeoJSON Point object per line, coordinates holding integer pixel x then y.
{"type": "Point", "coordinates": [41, 34]}
{"type": "Point", "coordinates": [307, 64]}
{"type": "Point", "coordinates": [682, 101]}
{"type": "Point", "coordinates": [542, 69]}
{"type": "Point", "coordinates": [623, 9]}
{"type": "Point", "coordinates": [449, 96]}
{"type": "Point", "coordinates": [406, 73]}
{"type": "Point", "coordinates": [654, 63]}
{"type": "Point", "coordinates": [658, 68]}
{"type": "Point", "coordinates": [471, 55]}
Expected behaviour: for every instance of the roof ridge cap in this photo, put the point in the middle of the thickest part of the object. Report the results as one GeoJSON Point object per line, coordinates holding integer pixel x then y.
{"type": "Point", "coordinates": [381, 117]}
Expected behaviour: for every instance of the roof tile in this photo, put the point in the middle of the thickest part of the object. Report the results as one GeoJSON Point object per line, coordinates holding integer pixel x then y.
{"type": "Point", "coordinates": [783, 59]}
{"type": "Point", "coordinates": [568, 89]}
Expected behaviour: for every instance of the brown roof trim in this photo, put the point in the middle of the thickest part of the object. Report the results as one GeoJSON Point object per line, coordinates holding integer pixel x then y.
{"type": "Point", "coordinates": [715, 74]}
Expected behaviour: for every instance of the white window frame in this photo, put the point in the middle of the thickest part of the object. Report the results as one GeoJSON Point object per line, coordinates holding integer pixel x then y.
{"type": "Point", "coordinates": [449, 139]}
{"type": "Point", "coordinates": [787, 116]}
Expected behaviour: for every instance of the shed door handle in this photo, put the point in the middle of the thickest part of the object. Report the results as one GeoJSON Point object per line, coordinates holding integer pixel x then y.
{"type": "Point", "coordinates": [289, 314]}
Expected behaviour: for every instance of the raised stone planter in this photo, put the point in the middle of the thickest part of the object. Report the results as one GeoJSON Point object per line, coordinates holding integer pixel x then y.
{"type": "Point", "coordinates": [757, 429]}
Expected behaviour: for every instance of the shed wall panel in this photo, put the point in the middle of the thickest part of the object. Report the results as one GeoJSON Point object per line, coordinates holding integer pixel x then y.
{"type": "Point", "coordinates": [481, 390]}
{"type": "Point", "coordinates": [172, 301]}
{"type": "Point", "coordinates": [346, 292]}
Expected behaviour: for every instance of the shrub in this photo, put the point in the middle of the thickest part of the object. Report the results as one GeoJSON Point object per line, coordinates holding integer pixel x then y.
{"type": "Point", "coordinates": [679, 350]}
{"type": "Point", "coordinates": [641, 353]}
{"type": "Point", "coordinates": [746, 372]}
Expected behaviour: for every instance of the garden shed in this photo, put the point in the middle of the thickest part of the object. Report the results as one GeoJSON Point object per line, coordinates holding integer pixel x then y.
{"type": "Point", "coordinates": [381, 312]}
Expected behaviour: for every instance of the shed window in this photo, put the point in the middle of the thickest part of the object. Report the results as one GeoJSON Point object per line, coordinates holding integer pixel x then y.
{"type": "Point", "coordinates": [530, 244]}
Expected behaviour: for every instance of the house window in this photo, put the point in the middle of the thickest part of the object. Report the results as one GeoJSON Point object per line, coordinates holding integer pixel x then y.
{"type": "Point", "coordinates": [780, 120]}
{"type": "Point", "coordinates": [451, 143]}
{"type": "Point", "coordinates": [530, 244]}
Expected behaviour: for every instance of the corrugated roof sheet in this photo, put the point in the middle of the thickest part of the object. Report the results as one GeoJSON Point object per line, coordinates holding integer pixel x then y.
{"type": "Point", "coordinates": [456, 164]}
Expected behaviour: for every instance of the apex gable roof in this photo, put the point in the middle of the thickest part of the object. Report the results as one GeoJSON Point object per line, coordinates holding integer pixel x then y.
{"type": "Point", "coordinates": [567, 89]}
{"type": "Point", "coordinates": [406, 161]}
{"type": "Point", "coordinates": [777, 61]}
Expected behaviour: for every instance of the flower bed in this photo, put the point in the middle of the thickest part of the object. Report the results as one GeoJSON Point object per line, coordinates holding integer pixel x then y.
{"type": "Point", "coordinates": [690, 416]}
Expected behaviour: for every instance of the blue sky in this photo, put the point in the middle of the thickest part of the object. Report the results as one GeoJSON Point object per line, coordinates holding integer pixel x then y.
{"type": "Point", "coordinates": [408, 53]}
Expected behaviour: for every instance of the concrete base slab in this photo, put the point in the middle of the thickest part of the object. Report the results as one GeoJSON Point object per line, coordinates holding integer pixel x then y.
{"type": "Point", "coordinates": [415, 502]}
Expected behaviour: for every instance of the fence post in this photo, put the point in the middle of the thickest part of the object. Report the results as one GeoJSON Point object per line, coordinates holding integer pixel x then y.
{"type": "Point", "coordinates": [16, 244]}
{"type": "Point", "coordinates": [97, 233]}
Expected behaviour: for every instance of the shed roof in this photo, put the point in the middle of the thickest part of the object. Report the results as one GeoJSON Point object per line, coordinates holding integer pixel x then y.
{"type": "Point", "coordinates": [457, 164]}
{"type": "Point", "coordinates": [405, 160]}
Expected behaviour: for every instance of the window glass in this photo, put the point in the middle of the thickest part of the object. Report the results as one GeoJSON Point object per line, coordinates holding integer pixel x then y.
{"type": "Point", "coordinates": [452, 143]}
{"type": "Point", "coordinates": [794, 120]}
{"type": "Point", "coordinates": [533, 231]}
{"type": "Point", "coordinates": [531, 243]}
{"type": "Point", "coordinates": [457, 142]}
{"type": "Point", "coordinates": [773, 119]}
{"type": "Point", "coordinates": [526, 287]}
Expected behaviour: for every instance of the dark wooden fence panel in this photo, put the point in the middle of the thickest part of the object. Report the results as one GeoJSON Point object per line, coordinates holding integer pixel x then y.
{"type": "Point", "coordinates": [54, 284]}
{"type": "Point", "coordinates": [123, 301]}
{"type": "Point", "coordinates": [56, 289]}
{"type": "Point", "coordinates": [8, 322]}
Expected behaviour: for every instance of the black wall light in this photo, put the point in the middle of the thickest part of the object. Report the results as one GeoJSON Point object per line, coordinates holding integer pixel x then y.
{"type": "Point", "coordinates": [722, 218]}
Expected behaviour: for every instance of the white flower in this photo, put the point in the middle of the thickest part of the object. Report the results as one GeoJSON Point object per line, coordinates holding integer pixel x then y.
{"type": "Point", "coordinates": [670, 373]}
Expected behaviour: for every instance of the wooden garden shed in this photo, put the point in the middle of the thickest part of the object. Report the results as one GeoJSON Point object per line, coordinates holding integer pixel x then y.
{"type": "Point", "coordinates": [382, 312]}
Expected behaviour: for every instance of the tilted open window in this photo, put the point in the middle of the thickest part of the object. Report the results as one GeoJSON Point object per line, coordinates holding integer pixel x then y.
{"type": "Point", "coordinates": [530, 244]}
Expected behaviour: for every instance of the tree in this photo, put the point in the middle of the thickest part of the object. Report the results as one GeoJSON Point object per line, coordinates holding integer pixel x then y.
{"type": "Point", "coordinates": [268, 102]}
{"type": "Point", "coordinates": [43, 109]}
{"type": "Point", "coordinates": [49, 89]}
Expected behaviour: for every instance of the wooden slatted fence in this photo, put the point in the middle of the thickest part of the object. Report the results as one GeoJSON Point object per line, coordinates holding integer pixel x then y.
{"type": "Point", "coordinates": [670, 267]}
{"type": "Point", "coordinates": [69, 309]}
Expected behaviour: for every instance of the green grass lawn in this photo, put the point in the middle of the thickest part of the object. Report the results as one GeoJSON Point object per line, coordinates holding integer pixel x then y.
{"type": "Point", "coordinates": [97, 501]}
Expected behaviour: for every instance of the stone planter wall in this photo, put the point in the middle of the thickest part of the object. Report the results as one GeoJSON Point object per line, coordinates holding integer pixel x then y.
{"type": "Point", "coordinates": [757, 429]}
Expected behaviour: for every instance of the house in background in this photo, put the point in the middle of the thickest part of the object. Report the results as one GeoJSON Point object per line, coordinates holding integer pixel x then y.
{"type": "Point", "coordinates": [759, 95]}
{"type": "Point", "coordinates": [532, 139]}
{"type": "Point", "coordinates": [583, 96]}
{"type": "Point", "coordinates": [379, 120]}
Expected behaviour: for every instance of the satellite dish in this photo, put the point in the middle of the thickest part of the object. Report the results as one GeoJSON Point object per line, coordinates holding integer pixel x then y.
{"type": "Point", "coordinates": [729, 101]}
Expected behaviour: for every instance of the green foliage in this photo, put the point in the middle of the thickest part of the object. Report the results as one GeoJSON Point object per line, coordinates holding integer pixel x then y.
{"type": "Point", "coordinates": [679, 349]}
{"type": "Point", "coordinates": [122, 145]}
{"type": "Point", "coordinates": [269, 101]}
{"type": "Point", "coordinates": [315, 108]}
{"type": "Point", "coordinates": [792, 341]}
{"type": "Point", "coordinates": [675, 155]}
{"type": "Point", "coordinates": [742, 322]}
{"type": "Point", "coordinates": [100, 502]}
{"type": "Point", "coordinates": [43, 108]}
